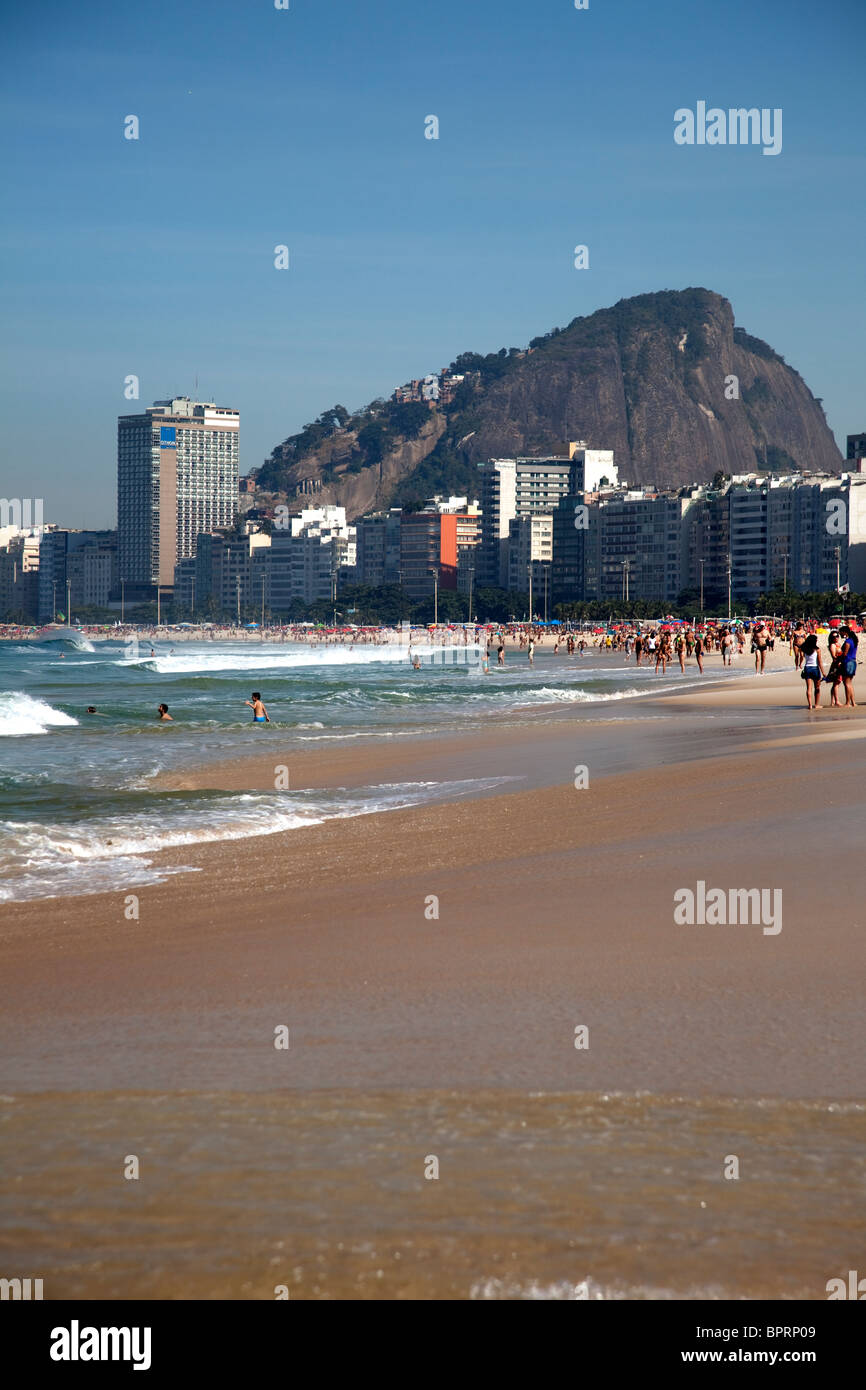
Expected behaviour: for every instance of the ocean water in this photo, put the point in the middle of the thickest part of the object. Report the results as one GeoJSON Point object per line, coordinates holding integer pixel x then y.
{"type": "Point", "coordinates": [80, 803]}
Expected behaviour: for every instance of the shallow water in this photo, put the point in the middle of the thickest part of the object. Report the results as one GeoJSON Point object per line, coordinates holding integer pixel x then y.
{"type": "Point", "coordinates": [555, 1196]}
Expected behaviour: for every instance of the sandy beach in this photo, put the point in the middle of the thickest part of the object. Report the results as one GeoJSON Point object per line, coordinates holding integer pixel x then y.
{"type": "Point", "coordinates": [555, 906]}
{"type": "Point", "coordinates": [452, 950]}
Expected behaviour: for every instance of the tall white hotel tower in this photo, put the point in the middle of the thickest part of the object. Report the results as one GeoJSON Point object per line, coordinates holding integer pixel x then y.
{"type": "Point", "coordinates": [177, 476]}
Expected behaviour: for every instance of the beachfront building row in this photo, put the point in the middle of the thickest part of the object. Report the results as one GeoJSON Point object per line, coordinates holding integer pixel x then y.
{"type": "Point", "coordinates": [46, 571]}
{"type": "Point", "coordinates": [303, 559]}
{"type": "Point", "coordinates": [77, 570]}
{"type": "Point", "coordinates": [804, 532]}
{"type": "Point", "coordinates": [19, 571]}
{"type": "Point", "coordinates": [434, 545]}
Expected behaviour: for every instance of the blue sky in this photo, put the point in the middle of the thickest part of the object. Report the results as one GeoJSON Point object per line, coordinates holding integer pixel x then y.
{"type": "Point", "coordinates": [305, 127]}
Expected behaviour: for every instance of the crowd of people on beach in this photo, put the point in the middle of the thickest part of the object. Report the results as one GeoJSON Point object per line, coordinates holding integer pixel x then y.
{"type": "Point", "coordinates": [659, 644]}
{"type": "Point", "coordinates": [663, 645]}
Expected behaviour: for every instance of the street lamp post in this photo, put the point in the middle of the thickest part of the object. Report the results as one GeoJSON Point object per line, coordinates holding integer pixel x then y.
{"type": "Point", "coordinates": [529, 567]}
{"type": "Point", "coordinates": [729, 588]}
{"type": "Point", "coordinates": [238, 596]}
{"type": "Point", "coordinates": [54, 600]}
{"type": "Point", "coordinates": [435, 598]}
{"type": "Point", "coordinates": [546, 568]}
{"type": "Point", "coordinates": [837, 551]}
{"type": "Point", "coordinates": [471, 577]}
{"type": "Point", "coordinates": [69, 600]}
{"type": "Point", "coordinates": [701, 563]}
{"type": "Point", "coordinates": [122, 599]}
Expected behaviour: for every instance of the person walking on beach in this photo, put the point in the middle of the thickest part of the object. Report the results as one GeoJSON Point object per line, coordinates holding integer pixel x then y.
{"type": "Point", "coordinates": [699, 652]}
{"type": "Point", "coordinates": [726, 647]}
{"type": "Point", "coordinates": [638, 649]}
{"type": "Point", "coordinates": [813, 671]}
{"type": "Point", "coordinates": [163, 713]}
{"type": "Point", "coordinates": [760, 642]}
{"type": "Point", "coordinates": [680, 645]}
{"type": "Point", "coordinates": [260, 714]}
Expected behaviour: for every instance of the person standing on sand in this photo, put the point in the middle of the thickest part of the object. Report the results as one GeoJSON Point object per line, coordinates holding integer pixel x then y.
{"type": "Point", "coordinates": [699, 652]}
{"type": "Point", "coordinates": [813, 671]}
{"type": "Point", "coordinates": [760, 642]}
{"type": "Point", "coordinates": [848, 659]}
{"type": "Point", "coordinates": [833, 677]}
{"type": "Point", "coordinates": [638, 648]}
{"type": "Point", "coordinates": [680, 645]}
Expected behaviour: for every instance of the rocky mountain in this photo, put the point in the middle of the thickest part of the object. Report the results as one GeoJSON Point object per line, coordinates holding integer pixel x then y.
{"type": "Point", "coordinates": [666, 380]}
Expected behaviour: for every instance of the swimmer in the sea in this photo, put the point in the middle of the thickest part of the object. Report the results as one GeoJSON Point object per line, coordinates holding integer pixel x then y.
{"type": "Point", "coordinates": [260, 714]}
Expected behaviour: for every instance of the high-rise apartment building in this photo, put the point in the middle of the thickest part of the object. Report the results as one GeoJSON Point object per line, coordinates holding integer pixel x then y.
{"type": "Point", "coordinates": [378, 548]}
{"type": "Point", "coordinates": [634, 545]}
{"type": "Point", "coordinates": [530, 542]}
{"type": "Point", "coordinates": [428, 552]}
{"type": "Point", "coordinates": [177, 478]}
{"type": "Point", "coordinates": [521, 487]}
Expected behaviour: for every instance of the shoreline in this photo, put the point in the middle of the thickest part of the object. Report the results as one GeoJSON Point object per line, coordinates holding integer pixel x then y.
{"type": "Point", "coordinates": [552, 901]}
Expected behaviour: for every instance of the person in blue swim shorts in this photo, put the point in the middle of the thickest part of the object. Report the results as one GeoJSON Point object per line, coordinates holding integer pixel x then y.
{"type": "Point", "coordinates": [260, 714]}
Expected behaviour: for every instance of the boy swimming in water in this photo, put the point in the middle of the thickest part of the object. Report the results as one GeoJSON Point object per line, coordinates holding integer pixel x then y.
{"type": "Point", "coordinates": [260, 714]}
